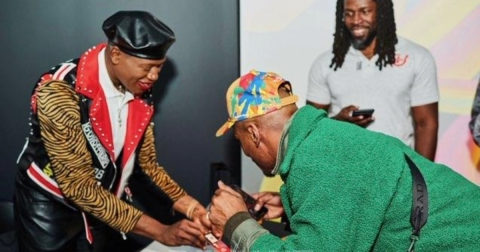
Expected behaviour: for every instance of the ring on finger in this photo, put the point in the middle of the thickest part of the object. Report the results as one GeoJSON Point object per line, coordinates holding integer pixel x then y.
{"type": "Point", "coordinates": [208, 215]}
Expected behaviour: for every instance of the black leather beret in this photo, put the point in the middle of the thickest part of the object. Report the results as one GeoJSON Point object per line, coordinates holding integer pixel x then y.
{"type": "Point", "coordinates": [139, 33]}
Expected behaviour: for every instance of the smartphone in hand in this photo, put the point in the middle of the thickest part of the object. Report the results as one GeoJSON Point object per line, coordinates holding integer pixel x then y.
{"type": "Point", "coordinates": [363, 112]}
{"type": "Point", "coordinates": [250, 203]}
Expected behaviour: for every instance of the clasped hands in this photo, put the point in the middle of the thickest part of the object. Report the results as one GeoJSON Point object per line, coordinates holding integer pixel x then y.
{"type": "Point", "coordinates": [226, 202]}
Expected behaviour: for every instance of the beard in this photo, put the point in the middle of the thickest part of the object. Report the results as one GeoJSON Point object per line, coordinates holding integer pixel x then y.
{"type": "Point", "coordinates": [361, 44]}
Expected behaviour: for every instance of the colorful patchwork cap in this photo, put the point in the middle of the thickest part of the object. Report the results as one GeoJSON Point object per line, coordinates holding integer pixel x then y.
{"type": "Point", "coordinates": [255, 94]}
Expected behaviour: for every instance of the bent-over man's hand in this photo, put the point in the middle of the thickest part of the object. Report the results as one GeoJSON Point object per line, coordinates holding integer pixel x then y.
{"type": "Point", "coordinates": [226, 202]}
{"type": "Point", "coordinates": [270, 200]}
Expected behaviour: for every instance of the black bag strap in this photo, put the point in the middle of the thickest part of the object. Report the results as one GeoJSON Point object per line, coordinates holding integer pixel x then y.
{"type": "Point", "coordinates": [419, 214]}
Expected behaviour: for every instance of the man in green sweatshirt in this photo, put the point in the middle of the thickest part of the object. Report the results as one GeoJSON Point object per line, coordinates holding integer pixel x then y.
{"type": "Point", "coordinates": [345, 188]}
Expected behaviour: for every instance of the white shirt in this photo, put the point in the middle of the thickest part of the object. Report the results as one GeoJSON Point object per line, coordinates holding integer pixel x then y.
{"type": "Point", "coordinates": [117, 103]}
{"type": "Point", "coordinates": [412, 81]}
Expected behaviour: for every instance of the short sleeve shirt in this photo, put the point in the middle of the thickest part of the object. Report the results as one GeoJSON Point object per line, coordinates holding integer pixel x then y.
{"type": "Point", "coordinates": [392, 91]}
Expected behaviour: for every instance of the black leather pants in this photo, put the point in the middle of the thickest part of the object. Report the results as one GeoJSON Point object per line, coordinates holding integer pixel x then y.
{"type": "Point", "coordinates": [43, 224]}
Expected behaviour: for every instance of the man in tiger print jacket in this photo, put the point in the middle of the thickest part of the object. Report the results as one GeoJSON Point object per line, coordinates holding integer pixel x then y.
{"type": "Point", "coordinates": [90, 132]}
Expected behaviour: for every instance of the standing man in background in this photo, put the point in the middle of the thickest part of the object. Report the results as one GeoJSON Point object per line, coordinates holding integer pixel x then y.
{"type": "Point", "coordinates": [370, 67]}
{"type": "Point", "coordinates": [90, 132]}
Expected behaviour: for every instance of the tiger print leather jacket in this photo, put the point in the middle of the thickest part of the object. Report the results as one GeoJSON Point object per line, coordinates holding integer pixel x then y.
{"type": "Point", "coordinates": [69, 152]}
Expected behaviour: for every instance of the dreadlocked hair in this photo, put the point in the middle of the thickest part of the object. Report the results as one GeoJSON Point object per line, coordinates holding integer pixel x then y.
{"type": "Point", "coordinates": [386, 35]}
{"type": "Point", "coordinates": [341, 40]}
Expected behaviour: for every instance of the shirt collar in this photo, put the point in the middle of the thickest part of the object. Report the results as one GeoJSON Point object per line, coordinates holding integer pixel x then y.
{"type": "Point", "coordinates": [282, 147]}
{"type": "Point", "coordinates": [358, 54]}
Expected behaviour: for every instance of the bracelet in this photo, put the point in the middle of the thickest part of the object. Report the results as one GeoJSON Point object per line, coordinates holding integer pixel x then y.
{"type": "Point", "coordinates": [191, 207]}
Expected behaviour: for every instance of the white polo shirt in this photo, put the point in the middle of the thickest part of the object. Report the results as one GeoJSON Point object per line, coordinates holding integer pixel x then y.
{"type": "Point", "coordinates": [410, 82]}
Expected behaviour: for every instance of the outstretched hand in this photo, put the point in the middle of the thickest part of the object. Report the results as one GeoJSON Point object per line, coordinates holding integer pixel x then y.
{"type": "Point", "coordinates": [184, 232]}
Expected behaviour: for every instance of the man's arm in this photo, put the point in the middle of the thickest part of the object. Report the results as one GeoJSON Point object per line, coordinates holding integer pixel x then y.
{"type": "Point", "coordinates": [474, 123]}
{"type": "Point", "coordinates": [318, 93]}
{"type": "Point", "coordinates": [425, 121]}
{"type": "Point", "coordinates": [424, 96]}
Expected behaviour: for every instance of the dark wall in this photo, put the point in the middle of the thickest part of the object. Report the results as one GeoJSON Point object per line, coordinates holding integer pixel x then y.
{"type": "Point", "coordinates": [190, 94]}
